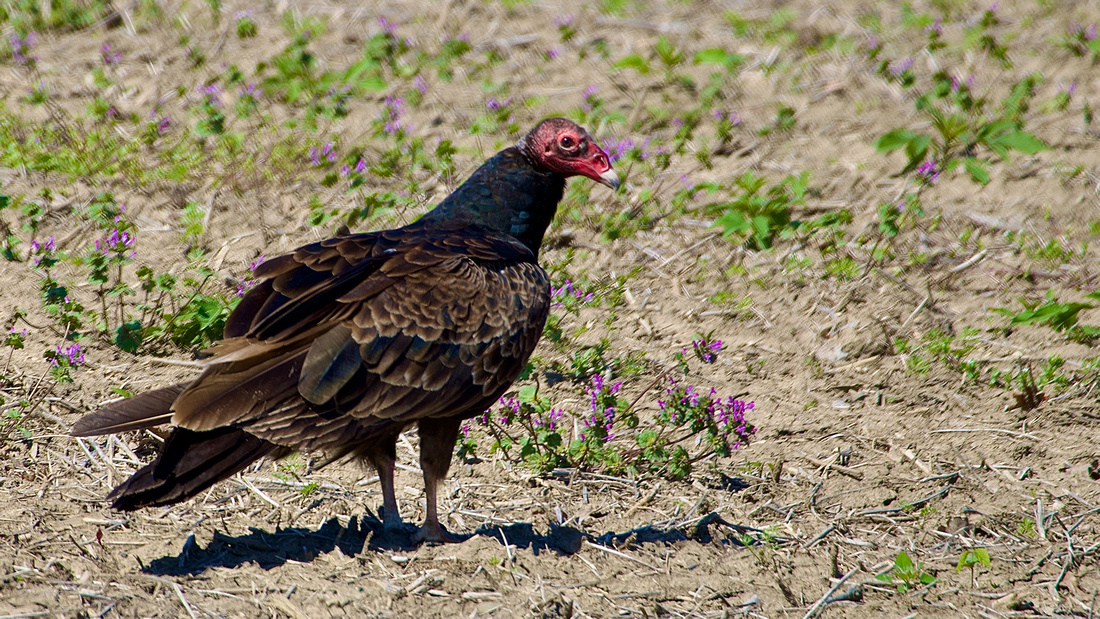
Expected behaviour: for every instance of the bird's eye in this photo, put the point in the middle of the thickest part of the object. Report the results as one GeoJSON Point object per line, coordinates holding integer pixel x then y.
{"type": "Point", "coordinates": [567, 142]}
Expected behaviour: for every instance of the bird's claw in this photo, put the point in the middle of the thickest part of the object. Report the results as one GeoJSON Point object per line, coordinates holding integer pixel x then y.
{"type": "Point", "coordinates": [435, 534]}
{"type": "Point", "coordinates": [391, 520]}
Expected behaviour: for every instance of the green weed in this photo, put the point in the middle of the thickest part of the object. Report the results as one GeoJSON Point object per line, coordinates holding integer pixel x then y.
{"type": "Point", "coordinates": [970, 559]}
{"type": "Point", "coordinates": [1061, 317]}
{"type": "Point", "coordinates": [906, 575]}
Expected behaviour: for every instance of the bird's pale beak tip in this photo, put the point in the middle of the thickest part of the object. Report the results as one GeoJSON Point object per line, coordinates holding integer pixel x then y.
{"type": "Point", "coordinates": [611, 179]}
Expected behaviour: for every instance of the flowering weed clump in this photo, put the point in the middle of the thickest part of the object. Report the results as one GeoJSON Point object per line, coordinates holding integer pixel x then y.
{"type": "Point", "coordinates": [161, 308]}
{"type": "Point", "coordinates": [62, 359]}
{"type": "Point", "coordinates": [609, 433]}
{"type": "Point", "coordinates": [967, 131]}
{"type": "Point", "coordinates": [688, 413]}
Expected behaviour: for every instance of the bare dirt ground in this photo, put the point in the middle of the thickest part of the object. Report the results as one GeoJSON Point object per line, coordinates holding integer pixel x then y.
{"type": "Point", "coordinates": [865, 449]}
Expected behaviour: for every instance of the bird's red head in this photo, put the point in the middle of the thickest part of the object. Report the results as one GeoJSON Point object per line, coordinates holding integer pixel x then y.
{"type": "Point", "coordinates": [559, 145]}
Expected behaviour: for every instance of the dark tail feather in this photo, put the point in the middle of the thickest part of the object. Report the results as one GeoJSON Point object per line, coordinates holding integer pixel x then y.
{"type": "Point", "coordinates": [189, 463]}
{"type": "Point", "coordinates": [149, 409]}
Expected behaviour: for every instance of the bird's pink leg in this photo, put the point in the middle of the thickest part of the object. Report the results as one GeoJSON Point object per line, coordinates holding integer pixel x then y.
{"type": "Point", "coordinates": [391, 515]}
{"type": "Point", "coordinates": [437, 441]}
{"type": "Point", "coordinates": [384, 460]}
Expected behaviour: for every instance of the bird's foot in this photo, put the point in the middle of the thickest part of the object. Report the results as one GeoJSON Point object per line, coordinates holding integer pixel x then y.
{"type": "Point", "coordinates": [391, 519]}
{"type": "Point", "coordinates": [433, 533]}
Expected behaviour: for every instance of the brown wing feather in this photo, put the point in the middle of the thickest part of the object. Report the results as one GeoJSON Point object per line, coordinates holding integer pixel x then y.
{"type": "Point", "coordinates": [152, 408]}
{"type": "Point", "coordinates": [189, 463]}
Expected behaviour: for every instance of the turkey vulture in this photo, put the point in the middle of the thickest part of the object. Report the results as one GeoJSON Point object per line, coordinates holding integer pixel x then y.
{"type": "Point", "coordinates": [346, 342]}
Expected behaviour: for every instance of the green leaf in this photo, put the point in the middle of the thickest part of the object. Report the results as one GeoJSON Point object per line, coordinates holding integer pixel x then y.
{"type": "Point", "coordinates": [719, 56]}
{"type": "Point", "coordinates": [917, 148]}
{"type": "Point", "coordinates": [762, 230]}
{"type": "Point", "coordinates": [903, 563]}
{"type": "Point", "coordinates": [894, 140]}
{"type": "Point", "coordinates": [1023, 141]}
{"type": "Point", "coordinates": [527, 393]}
{"type": "Point", "coordinates": [668, 53]}
{"type": "Point", "coordinates": [633, 61]}
{"type": "Point", "coordinates": [977, 170]}
{"type": "Point", "coordinates": [732, 222]}
{"type": "Point", "coordinates": [128, 336]}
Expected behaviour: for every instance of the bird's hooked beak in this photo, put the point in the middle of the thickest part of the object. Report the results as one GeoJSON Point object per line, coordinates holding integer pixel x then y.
{"type": "Point", "coordinates": [599, 169]}
{"type": "Point", "coordinates": [611, 179]}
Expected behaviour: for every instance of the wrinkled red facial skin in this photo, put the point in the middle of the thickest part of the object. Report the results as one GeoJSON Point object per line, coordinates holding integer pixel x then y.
{"type": "Point", "coordinates": [559, 145]}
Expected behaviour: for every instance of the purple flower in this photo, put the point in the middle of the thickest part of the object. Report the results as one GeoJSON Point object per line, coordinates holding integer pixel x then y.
{"type": "Point", "coordinates": [110, 59]}
{"type": "Point", "coordinates": [395, 108]}
{"type": "Point", "coordinates": [387, 26]}
{"type": "Point", "coordinates": [325, 155]}
{"type": "Point", "coordinates": [590, 92]}
{"type": "Point", "coordinates": [733, 118]}
{"type": "Point", "coordinates": [420, 84]}
{"type": "Point", "coordinates": [552, 53]}
{"type": "Point", "coordinates": [936, 28]}
{"type": "Point", "coordinates": [616, 149]}
{"type": "Point", "coordinates": [493, 105]}
{"type": "Point", "coordinates": [71, 354]}
{"type": "Point", "coordinates": [706, 351]}
{"type": "Point", "coordinates": [602, 402]}
{"type": "Point", "coordinates": [567, 291]}
{"type": "Point", "coordinates": [39, 251]}
{"type": "Point", "coordinates": [239, 15]}
{"type": "Point", "coordinates": [927, 172]}
{"type": "Point", "coordinates": [723, 417]}
{"type": "Point", "coordinates": [901, 66]}
{"type": "Point", "coordinates": [117, 241]}
{"type": "Point", "coordinates": [21, 47]}
{"type": "Point", "coordinates": [563, 21]}
{"type": "Point", "coordinates": [211, 92]}
{"type": "Point", "coordinates": [555, 413]}
{"type": "Point", "coordinates": [244, 284]}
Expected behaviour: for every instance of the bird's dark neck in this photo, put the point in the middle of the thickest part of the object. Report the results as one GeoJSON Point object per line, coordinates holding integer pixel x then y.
{"type": "Point", "coordinates": [505, 195]}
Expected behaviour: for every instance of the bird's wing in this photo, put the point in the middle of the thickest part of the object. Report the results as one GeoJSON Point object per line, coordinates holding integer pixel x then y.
{"type": "Point", "coordinates": [345, 336]}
